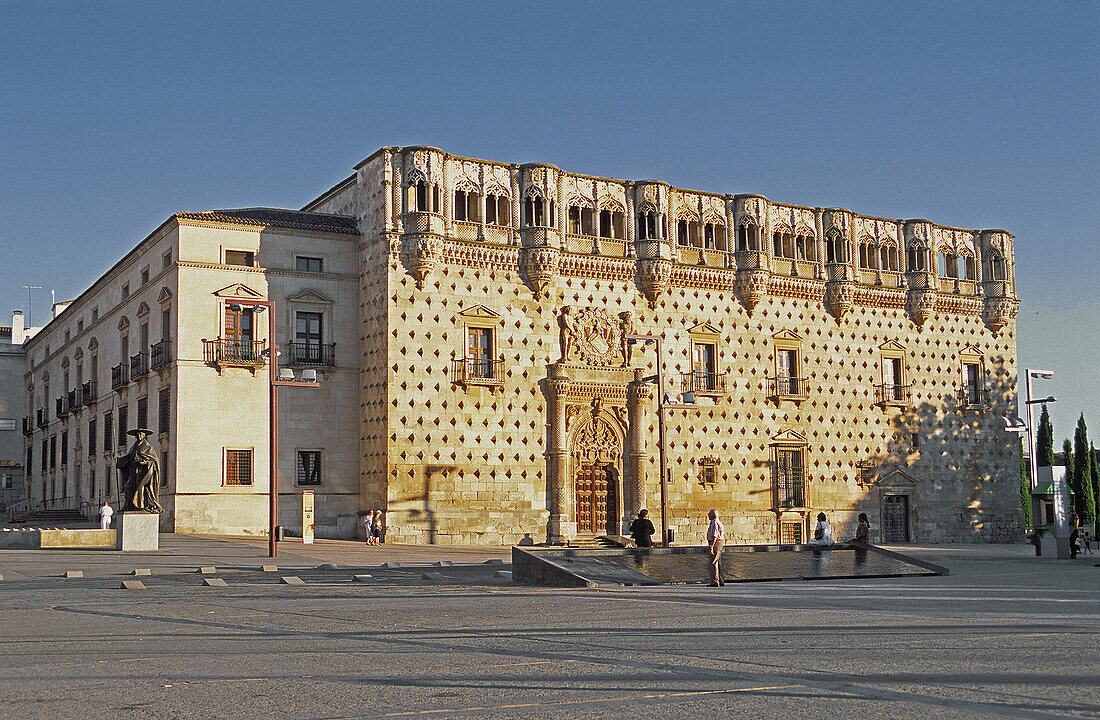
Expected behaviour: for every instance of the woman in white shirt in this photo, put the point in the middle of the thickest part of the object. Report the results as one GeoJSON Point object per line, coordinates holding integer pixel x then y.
{"type": "Point", "coordinates": [823, 532]}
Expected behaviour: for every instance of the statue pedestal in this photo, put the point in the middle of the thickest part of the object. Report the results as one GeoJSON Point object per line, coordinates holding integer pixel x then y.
{"type": "Point", "coordinates": [138, 531]}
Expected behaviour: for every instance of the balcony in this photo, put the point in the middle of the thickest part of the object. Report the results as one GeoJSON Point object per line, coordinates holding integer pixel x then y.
{"type": "Point", "coordinates": [120, 376]}
{"type": "Point", "coordinates": [28, 426]}
{"type": "Point", "coordinates": [539, 236]}
{"type": "Point", "coordinates": [788, 388]}
{"type": "Point", "coordinates": [233, 352]}
{"type": "Point", "coordinates": [61, 406]}
{"type": "Point", "coordinates": [974, 397]}
{"type": "Point", "coordinates": [160, 355]}
{"type": "Point", "coordinates": [789, 489]}
{"type": "Point", "coordinates": [899, 395]}
{"type": "Point", "coordinates": [703, 383]}
{"type": "Point", "coordinates": [72, 399]}
{"type": "Point", "coordinates": [139, 365]}
{"type": "Point", "coordinates": [477, 371]}
{"type": "Point", "coordinates": [42, 417]}
{"type": "Point", "coordinates": [313, 354]}
{"type": "Point", "coordinates": [89, 392]}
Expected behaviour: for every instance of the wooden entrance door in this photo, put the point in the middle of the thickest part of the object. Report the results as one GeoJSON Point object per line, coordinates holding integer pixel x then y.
{"type": "Point", "coordinates": [895, 518]}
{"type": "Point", "coordinates": [590, 505]}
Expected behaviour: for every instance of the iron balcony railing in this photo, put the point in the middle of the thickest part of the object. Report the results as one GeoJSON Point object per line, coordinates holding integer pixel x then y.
{"type": "Point", "coordinates": [304, 353]}
{"type": "Point", "coordinates": [120, 376]}
{"type": "Point", "coordinates": [703, 383]}
{"type": "Point", "coordinates": [28, 426]}
{"type": "Point", "coordinates": [88, 392]}
{"type": "Point", "coordinates": [72, 399]}
{"type": "Point", "coordinates": [231, 351]}
{"type": "Point", "coordinates": [887, 394]}
{"type": "Point", "coordinates": [477, 371]}
{"type": "Point", "coordinates": [160, 354]}
{"type": "Point", "coordinates": [139, 365]}
{"type": "Point", "coordinates": [974, 396]}
{"type": "Point", "coordinates": [789, 488]}
{"type": "Point", "coordinates": [61, 406]}
{"type": "Point", "coordinates": [42, 417]}
{"type": "Point", "coordinates": [794, 388]}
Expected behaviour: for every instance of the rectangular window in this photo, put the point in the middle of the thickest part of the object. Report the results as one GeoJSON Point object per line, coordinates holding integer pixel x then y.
{"type": "Point", "coordinates": [91, 483]}
{"type": "Point", "coordinates": [307, 329]}
{"type": "Point", "coordinates": [705, 366]}
{"type": "Point", "coordinates": [238, 467]}
{"type": "Point", "coordinates": [95, 314]}
{"type": "Point", "coordinates": [123, 425]}
{"type": "Point", "coordinates": [308, 264]}
{"type": "Point", "coordinates": [45, 454]}
{"type": "Point", "coordinates": [145, 275]}
{"type": "Point", "coordinates": [245, 258]}
{"type": "Point", "coordinates": [126, 291]}
{"type": "Point", "coordinates": [790, 478]}
{"type": "Point", "coordinates": [64, 448]}
{"type": "Point", "coordinates": [108, 431]}
{"type": "Point", "coordinates": [972, 377]}
{"type": "Point", "coordinates": [53, 452]}
{"type": "Point", "coordinates": [30, 461]}
{"type": "Point", "coordinates": [479, 351]}
{"type": "Point", "coordinates": [165, 324]}
{"type": "Point", "coordinates": [238, 325]}
{"type": "Point", "coordinates": [164, 468]}
{"type": "Point", "coordinates": [790, 533]}
{"type": "Point", "coordinates": [164, 406]}
{"type": "Point", "coordinates": [91, 437]}
{"type": "Point", "coordinates": [143, 412]}
{"type": "Point", "coordinates": [166, 260]}
{"type": "Point", "coordinates": [309, 467]}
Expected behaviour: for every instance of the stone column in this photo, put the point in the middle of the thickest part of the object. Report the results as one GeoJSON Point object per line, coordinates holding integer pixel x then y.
{"type": "Point", "coordinates": [638, 395]}
{"type": "Point", "coordinates": [516, 220]}
{"type": "Point", "coordinates": [448, 199]}
{"type": "Point", "coordinates": [629, 221]}
{"type": "Point", "coordinates": [562, 526]}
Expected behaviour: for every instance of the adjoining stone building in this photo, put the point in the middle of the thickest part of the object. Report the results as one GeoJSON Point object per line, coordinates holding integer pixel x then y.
{"type": "Point", "coordinates": [468, 319]}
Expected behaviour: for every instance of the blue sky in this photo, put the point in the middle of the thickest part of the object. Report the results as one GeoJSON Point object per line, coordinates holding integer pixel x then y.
{"type": "Point", "coordinates": [979, 115]}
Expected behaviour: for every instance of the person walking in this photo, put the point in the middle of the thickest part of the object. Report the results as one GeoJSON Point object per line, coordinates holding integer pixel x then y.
{"type": "Point", "coordinates": [376, 528]}
{"type": "Point", "coordinates": [642, 529]}
{"type": "Point", "coordinates": [367, 519]}
{"type": "Point", "coordinates": [716, 538]}
{"type": "Point", "coordinates": [1086, 541]}
{"type": "Point", "coordinates": [105, 513]}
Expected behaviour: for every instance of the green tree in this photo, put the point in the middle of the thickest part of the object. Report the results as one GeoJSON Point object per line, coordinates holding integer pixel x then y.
{"type": "Point", "coordinates": [1025, 486]}
{"type": "Point", "coordinates": [1083, 503]}
{"type": "Point", "coordinates": [1044, 441]}
{"type": "Point", "coordinates": [1095, 465]}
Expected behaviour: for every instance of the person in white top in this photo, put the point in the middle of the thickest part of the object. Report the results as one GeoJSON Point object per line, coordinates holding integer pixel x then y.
{"type": "Point", "coordinates": [105, 514]}
{"type": "Point", "coordinates": [823, 532]}
{"type": "Point", "coordinates": [716, 538]}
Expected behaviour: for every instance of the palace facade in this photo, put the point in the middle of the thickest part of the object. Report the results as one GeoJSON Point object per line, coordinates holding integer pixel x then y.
{"type": "Point", "coordinates": [471, 325]}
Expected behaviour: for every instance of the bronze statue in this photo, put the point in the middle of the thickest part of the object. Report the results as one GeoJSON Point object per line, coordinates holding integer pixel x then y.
{"type": "Point", "coordinates": [140, 471]}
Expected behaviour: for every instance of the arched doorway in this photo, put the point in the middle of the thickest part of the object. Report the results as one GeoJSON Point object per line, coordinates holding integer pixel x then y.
{"type": "Point", "coordinates": [596, 450]}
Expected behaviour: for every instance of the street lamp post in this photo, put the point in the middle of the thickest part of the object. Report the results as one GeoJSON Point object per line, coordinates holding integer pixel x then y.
{"type": "Point", "coordinates": [276, 379]}
{"type": "Point", "coordinates": [662, 405]}
{"type": "Point", "coordinates": [1033, 464]}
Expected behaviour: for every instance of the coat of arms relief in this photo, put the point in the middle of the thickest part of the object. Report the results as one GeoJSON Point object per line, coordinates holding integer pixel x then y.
{"type": "Point", "coordinates": [594, 336]}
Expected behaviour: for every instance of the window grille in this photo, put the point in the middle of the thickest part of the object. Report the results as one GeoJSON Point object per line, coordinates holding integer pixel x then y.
{"type": "Point", "coordinates": [238, 467]}
{"type": "Point", "coordinates": [309, 467]}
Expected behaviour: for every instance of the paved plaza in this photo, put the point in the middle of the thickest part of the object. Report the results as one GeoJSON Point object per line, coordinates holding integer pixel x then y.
{"type": "Point", "coordinates": [1006, 634]}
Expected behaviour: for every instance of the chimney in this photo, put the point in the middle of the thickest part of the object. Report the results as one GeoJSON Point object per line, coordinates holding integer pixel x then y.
{"type": "Point", "coordinates": [18, 329]}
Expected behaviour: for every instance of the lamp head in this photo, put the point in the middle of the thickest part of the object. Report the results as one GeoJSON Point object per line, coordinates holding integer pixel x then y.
{"type": "Point", "coordinates": [286, 374]}
{"type": "Point", "coordinates": [1044, 374]}
{"type": "Point", "coordinates": [309, 375]}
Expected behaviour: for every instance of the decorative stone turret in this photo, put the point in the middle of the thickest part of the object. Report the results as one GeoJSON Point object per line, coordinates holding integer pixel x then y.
{"type": "Point", "coordinates": [921, 302]}
{"type": "Point", "coordinates": [752, 277]}
{"type": "Point", "coordinates": [999, 286]}
{"type": "Point", "coordinates": [539, 266]}
{"type": "Point", "coordinates": [840, 288]}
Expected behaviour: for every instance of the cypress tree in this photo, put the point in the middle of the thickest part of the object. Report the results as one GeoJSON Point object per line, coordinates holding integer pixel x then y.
{"type": "Point", "coordinates": [1025, 486]}
{"type": "Point", "coordinates": [1044, 441]}
{"type": "Point", "coordinates": [1067, 453]}
{"type": "Point", "coordinates": [1095, 465]}
{"type": "Point", "coordinates": [1082, 474]}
